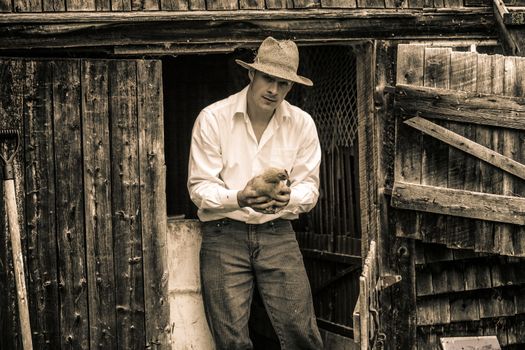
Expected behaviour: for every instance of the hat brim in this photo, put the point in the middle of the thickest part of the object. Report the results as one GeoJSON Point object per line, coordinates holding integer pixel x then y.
{"type": "Point", "coordinates": [271, 70]}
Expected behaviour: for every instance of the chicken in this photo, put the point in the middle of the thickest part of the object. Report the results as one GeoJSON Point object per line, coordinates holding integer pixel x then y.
{"type": "Point", "coordinates": [270, 183]}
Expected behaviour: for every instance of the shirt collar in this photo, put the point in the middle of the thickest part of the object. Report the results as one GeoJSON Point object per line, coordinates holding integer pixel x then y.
{"type": "Point", "coordinates": [281, 113]}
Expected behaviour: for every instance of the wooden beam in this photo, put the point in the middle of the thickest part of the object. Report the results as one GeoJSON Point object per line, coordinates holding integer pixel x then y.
{"type": "Point", "coordinates": [461, 106]}
{"type": "Point", "coordinates": [486, 154]}
{"type": "Point", "coordinates": [500, 12]}
{"type": "Point", "coordinates": [328, 256]}
{"type": "Point", "coordinates": [462, 203]}
{"type": "Point", "coordinates": [67, 30]}
{"type": "Point", "coordinates": [515, 16]}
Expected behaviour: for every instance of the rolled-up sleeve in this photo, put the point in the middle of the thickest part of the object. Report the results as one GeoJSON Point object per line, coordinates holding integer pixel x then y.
{"type": "Point", "coordinates": [205, 186]}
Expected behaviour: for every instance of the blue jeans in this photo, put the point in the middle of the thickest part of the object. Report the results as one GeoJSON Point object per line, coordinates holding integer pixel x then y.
{"type": "Point", "coordinates": [234, 257]}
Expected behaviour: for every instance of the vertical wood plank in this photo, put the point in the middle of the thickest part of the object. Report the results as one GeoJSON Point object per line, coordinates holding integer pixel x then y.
{"type": "Point", "coordinates": [462, 168]}
{"type": "Point", "coordinates": [371, 3]}
{"type": "Point", "coordinates": [197, 5]}
{"type": "Point", "coordinates": [11, 108]}
{"type": "Point", "coordinates": [519, 233]}
{"type": "Point", "coordinates": [126, 205]}
{"type": "Point", "coordinates": [40, 205]}
{"type": "Point", "coordinates": [153, 201]}
{"type": "Point", "coordinates": [306, 3]}
{"type": "Point", "coordinates": [507, 145]}
{"type": "Point", "coordinates": [80, 5]}
{"type": "Point", "coordinates": [453, 3]}
{"type": "Point", "coordinates": [145, 5]}
{"type": "Point", "coordinates": [70, 206]}
{"type": "Point", "coordinates": [435, 153]}
{"type": "Point", "coordinates": [221, 5]}
{"type": "Point", "coordinates": [97, 198]}
{"type": "Point", "coordinates": [338, 3]}
{"type": "Point", "coordinates": [6, 6]}
{"type": "Point", "coordinates": [121, 5]}
{"type": "Point", "coordinates": [174, 5]}
{"type": "Point", "coordinates": [53, 5]}
{"type": "Point", "coordinates": [102, 5]}
{"type": "Point", "coordinates": [27, 5]}
{"type": "Point", "coordinates": [276, 4]}
{"type": "Point", "coordinates": [485, 229]}
{"type": "Point", "coordinates": [410, 70]}
{"type": "Point", "coordinates": [251, 4]}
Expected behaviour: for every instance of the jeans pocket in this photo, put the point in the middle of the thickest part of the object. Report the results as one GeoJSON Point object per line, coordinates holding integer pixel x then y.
{"type": "Point", "coordinates": [282, 227]}
{"type": "Point", "coordinates": [212, 229]}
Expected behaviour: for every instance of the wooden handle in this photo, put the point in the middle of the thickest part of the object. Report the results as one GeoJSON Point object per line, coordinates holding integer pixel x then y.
{"type": "Point", "coordinates": [18, 259]}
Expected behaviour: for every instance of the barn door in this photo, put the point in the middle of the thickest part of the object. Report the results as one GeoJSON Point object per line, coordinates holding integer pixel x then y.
{"type": "Point", "coordinates": [459, 192]}
{"type": "Point", "coordinates": [90, 190]}
{"type": "Point", "coordinates": [460, 127]}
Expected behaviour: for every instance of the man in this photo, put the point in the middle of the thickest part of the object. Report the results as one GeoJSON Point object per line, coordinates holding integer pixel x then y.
{"type": "Point", "coordinates": [247, 238]}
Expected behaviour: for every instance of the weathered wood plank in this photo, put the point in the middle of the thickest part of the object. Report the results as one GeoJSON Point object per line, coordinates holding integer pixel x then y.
{"type": "Point", "coordinates": [462, 203]}
{"type": "Point", "coordinates": [176, 27]}
{"type": "Point", "coordinates": [251, 4]}
{"type": "Point", "coordinates": [432, 311]}
{"type": "Point", "coordinates": [484, 229]}
{"type": "Point", "coordinates": [519, 233]}
{"type": "Point", "coordinates": [6, 6]}
{"type": "Point", "coordinates": [498, 82]}
{"type": "Point", "coordinates": [80, 5]}
{"type": "Point", "coordinates": [371, 3]}
{"type": "Point", "coordinates": [102, 5]}
{"type": "Point", "coordinates": [407, 168]}
{"type": "Point", "coordinates": [53, 6]}
{"type": "Point", "coordinates": [11, 110]}
{"type": "Point", "coordinates": [306, 3]}
{"type": "Point", "coordinates": [175, 5]}
{"type": "Point", "coordinates": [435, 154]}
{"type": "Point", "coordinates": [129, 292]}
{"type": "Point", "coordinates": [27, 5]}
{"type": "Point", "coordinates": [463, 170]}
{"type": "Point", "coordinates": [69, 205]}
{"type": "Point", "coordinates": [486, 154]}
{"type": "Point", "coordinates": [499, 303]}
{"type": "Point", "coordinates": [153, 201]}
{"type": "Point", "coordinates": [464, 309]}
{"type": "Point", "coordinates": [212, 5]}
{"type": "Point", "coordinates": [97, 199]}
{"type": "Point", "coordinates": [337, 3]}
{"type": "Point", "coordinates": [197, 5]}
{"type": "Point", "coordinates": [453, 3]}
{"type": "Point", "coordinates": [507, 145]}
{"type": "Point", "coordinates": [477, 3]}
{"type": "Point", "coordinates": [40, 205]}
{"type": "Point", "coordinates": [145, 5]}
{"type": "Point", "coordinates": [469, 107]}
{"type": "Point", "coordinates": [121, 5]}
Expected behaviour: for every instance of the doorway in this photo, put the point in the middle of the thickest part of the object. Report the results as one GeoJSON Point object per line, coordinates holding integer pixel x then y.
{"type": "Point", "coordinates": [330, 235]}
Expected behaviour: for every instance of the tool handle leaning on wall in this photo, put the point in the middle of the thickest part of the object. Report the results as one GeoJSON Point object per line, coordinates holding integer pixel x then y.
{"type": "Point", "coordinates": [16, 244]}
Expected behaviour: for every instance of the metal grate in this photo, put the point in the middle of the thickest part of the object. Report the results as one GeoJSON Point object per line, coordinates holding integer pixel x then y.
{"type": "Point", "coordinates": [332, 101]}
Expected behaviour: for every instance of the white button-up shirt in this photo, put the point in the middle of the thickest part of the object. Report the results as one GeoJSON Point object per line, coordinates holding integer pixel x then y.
{"type": "Point", "coordinates": [225, 155]}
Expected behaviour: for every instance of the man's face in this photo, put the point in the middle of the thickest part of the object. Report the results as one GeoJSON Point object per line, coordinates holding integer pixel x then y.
{"type": "Point", "coordinates": [267, 91]}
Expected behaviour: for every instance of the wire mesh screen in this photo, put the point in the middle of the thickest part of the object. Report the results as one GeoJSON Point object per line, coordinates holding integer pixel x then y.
{"type": "Point", "coordinates": [332, 102]}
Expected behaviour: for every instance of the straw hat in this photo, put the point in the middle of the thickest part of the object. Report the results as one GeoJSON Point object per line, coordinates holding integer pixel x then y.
{"type": "Point", "coordinates": [279, 58]}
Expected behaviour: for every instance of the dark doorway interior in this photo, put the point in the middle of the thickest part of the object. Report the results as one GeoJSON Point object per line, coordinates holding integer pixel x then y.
{"type": "Point", "coordinates": [329, 236]}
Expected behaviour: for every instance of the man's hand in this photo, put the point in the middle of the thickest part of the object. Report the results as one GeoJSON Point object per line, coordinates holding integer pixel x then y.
{"type": "Point", "coordinates": [249, 197]}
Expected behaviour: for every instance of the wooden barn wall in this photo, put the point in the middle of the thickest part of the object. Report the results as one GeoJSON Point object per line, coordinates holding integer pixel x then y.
{"type": "Point", "coordinates": [212, 5]}
{"type": "Point", "coordinates": [478, 290]}
{"type": "Point", "coordinates": [90, 182]}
